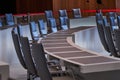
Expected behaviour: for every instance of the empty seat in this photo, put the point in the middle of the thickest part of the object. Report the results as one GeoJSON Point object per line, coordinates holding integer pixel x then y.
{"type": "Point", "coordinates": [118, 21]}
{"type": "Point", "coordinates": [105, 22]}
{"type": "Point", "coordinates": [117, 39]}
{"type": "Point", "coordinates": [112, 21]}
{"type": "Point", "coordinates": [1, 23]}
{"type": "Point", "coordinates": [18, 50]}
{"type": "Point", "coordinates": [42, 28]}
{"type": "Point", "coordinates": [76, 13]}
{"type": "Point", "coordinates": [19, 30]}
{"type": "Point", "coordinates": [63, 13]}
{"type": "Point", "coordinates": [9, 19]}
{"type": "Point", "coordinates": [64, 23]}
{"type": "Point", "coordinates": [28, 57]}
{"type": "Point", "coordinates": [34, 31]}
{"type": "Point", "coordinates": [110, 41]}
{"type": "Point", "coordinates": [53, 25]}
{"type": "Point", "coordinates": [41, 65]}
{"type": "Point", "coordinates": [113, 24]}
{"type": "Point", "coordinates": [48, 15]}
{"type": "Point", "coordinates": [99, 17]}
{"type": "Point", "coordinates": [112, 14]}
{"type": "Point", "coordinates": [102, 35]}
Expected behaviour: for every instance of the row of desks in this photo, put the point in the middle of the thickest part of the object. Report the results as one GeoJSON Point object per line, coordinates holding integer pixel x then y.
{"type": "Point", "coordinates": [61, 46]}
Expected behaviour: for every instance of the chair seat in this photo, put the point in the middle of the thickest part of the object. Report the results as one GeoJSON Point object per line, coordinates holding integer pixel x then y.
{"type": "Point", "coordinates": [11, 23]}
{"type": "Point", "coordinates": [65, 27]}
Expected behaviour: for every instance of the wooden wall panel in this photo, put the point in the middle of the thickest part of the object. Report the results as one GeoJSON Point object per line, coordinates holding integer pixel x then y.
{"type": "Point", "coordinates": [83, 4]}
{"type": "Point", "coordinates": [24, 6]}
{"type": "Point", "coordinates": [118, 4]}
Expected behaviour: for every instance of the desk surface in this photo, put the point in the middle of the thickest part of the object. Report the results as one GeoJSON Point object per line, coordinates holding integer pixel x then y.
{"type": "Point", "coordinates": [60, 45]}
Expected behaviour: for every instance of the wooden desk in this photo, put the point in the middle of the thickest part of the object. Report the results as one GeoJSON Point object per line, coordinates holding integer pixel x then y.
{"type": "Point", "coordinates": [90, 65]}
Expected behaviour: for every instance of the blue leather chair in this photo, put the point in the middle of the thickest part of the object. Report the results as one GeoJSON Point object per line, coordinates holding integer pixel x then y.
{"type": "Point", "coordinates": [41, 65]}
{"type": "Point", "coordinates": [113, 24]}
{"type": "Point", "coordinates": [17, 45]}
{"type": "Point", "coordinates": [1, 23]}
{"type": "Point", "coordinates": [53, 25]}
{"type": "Point", "coordinates": [42, 28]}
{"type": "Point", "coordinates": [76, 13]}
{"type": "Point", "coordinates": [63, 13]}
{"type": "Point", "coordinates": [34, 31]}
{"type": "Point", "coordinates": [9, 19]}
{"type": "Point", "coordinates": [48, 15]}
{"type": "Point", "coordinates": [118, 21]}
{"type": "Point", "coordinates": [64, 23]}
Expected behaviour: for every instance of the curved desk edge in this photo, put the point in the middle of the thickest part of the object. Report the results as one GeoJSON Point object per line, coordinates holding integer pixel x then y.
{"type": "Point", "coordinates": [87, 60]}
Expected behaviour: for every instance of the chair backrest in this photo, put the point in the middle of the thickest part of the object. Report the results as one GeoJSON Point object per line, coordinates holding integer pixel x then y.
{"type": "Point", "coordinates": [117, 38]}
{"type": "Point", "coordinates": [34, 31]}
{"type": "Point", "coordinates": [110, 41]}
{"type": "Point", "coordinates": [27, 54]}
{"type": "Point", "coordinates": [49, 14]}
{"type": "Point", "coordinates": [19, 30]}
{"type": "Point", "coordinates": [118, 21]}
{"type": "Point", "coordinates": [99, 16]}
{"type": "Point", "coordinates": [105, 22]}
{"type": "Point", "coordinates": [63, 13]}
{"type": "Point", "coordinates": [53, 25]}
{"type": "Point", "coordinates": [64, 23]}
{"type": "Point", "coordinates": [42, 27]}
{"type": "Point", "coordinates": [18, 49]}
{"type": "Point", "coordinates": [113, 24]}
{"type": "Point", "coordinates": [102, 35]}
{"type": "Point", "coordinates": [1, 24]}
{"type": "Point", "coordinates": [9, 19]}
{"type": "Point", "coordinates": [112, 21]}
{"type": "Point", "coordinates": [76, 13]}
{"type": "Point", "coordinates": [40, 61]}
{"type": "Point", "coordinates": [112, 14]}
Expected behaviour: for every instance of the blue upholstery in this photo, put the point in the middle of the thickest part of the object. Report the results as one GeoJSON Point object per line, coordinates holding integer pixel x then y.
{"type": "Point", "coordinates": [63, 13]}
{"type": "Point", "coordinates": [1, 23]}
{"type": "Point", "coordinates": [33, 31]}
{"type": "Point", "coordinates": [9, 19]}
{"type": "Point", "coordinates": [99, 16]}
{"type": "Point", "coordinates": [53, 25]}
{"type": "Point", "coordinates": [112, 14]}
{"type": "Point", "coordinates": [105, 22]}
{"type": "Point", "coordinates": [118, 20]}
{"type": "Point", "coordinates": [49, 14]}
{"type": "Point", "coordinates": [42, 28]}
{"type": "Point", "coordinates": [63, 23]}
{"type": "Point", "coordinates": [113, 23]}
{"type": "Point", "coordinates": [19, 30]}
{"type": "Point", "coordinates": [76, 13]}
